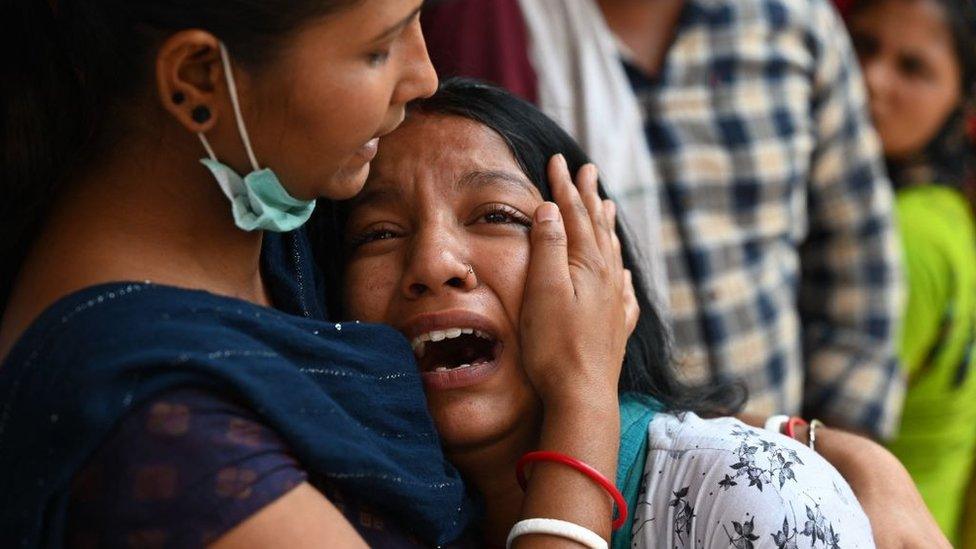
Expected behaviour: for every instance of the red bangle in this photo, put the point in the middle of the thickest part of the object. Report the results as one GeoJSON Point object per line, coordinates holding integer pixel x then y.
{"type": "Point", "coordinates": [592, 473]}
{"type": "Point", "coordinates": [792, 424]}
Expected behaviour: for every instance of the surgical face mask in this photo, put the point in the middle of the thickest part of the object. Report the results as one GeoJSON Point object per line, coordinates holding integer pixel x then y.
{"type": "Point", "coordinates": [258, 200]}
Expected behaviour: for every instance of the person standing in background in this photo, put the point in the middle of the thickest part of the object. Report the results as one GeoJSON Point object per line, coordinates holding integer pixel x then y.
{"type": "Point", "coordinates": [919, 63]}
{"type": "Point", "coordinates": [775, 216]}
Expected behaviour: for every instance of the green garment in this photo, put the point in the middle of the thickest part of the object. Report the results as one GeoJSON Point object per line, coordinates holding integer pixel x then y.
{"type": "Point", "coordinates": [937, 440]}
{"type": "Point", "coordinates": [636, 413]}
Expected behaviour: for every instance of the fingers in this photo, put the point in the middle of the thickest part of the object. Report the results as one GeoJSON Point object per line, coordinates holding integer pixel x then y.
{"type": "Point", "coordinates": [548, 269]}
{"type": "Point", "coordinates": [631, 306]}
{"type": "Point", "coordinates": [610, 207]}
{"type": "Point", "coordinates": [586, 182]}
{"type": "Point", "coordinates": [576, 217]}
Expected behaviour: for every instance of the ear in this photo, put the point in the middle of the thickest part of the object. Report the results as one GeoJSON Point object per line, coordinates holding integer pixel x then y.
{"type": "Point", "coordinates": [189, 75]}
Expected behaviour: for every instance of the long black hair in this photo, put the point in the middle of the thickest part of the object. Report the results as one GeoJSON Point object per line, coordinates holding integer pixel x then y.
{"type": "Point", "coordinates": [534, 138]}
{"type": "Point", "coordinates": [70, 66]}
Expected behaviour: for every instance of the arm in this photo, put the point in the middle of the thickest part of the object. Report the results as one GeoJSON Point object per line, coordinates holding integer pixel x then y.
{"type": "Point", "coordinates": [850, 291]}
{"type": "Point", "coordinates": [575, 275]}
{"type": "Point", "coordinates": [300, 519]}
{"type": "Point", "coordinates": [723, 484]}
{"type": "Point", "coordinates": [189, 468]}
{"type": "Point", "coordinates": [899, 517]}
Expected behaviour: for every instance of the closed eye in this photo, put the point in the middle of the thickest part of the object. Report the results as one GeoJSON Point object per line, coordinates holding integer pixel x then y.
{"type": "Point", "coordinates": [372, 235]}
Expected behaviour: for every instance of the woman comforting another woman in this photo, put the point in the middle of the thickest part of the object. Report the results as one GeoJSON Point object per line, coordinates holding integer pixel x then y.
{"type": "Point", "coordinates": [171, 375]}
{"type": "Point", "coordinates": [438, 246]}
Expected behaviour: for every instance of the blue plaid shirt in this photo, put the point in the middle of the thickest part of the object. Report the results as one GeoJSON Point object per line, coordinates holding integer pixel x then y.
{"type": "Point", "coordinates": [778, 224]}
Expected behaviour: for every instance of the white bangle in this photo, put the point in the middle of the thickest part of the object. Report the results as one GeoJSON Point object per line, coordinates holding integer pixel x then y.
{"type": "Point", "coordinates": [555, 527]}
{"type": "Point", "coordinates": [814, 424]}
{"type": "Point", "coordinates": [775, 423]}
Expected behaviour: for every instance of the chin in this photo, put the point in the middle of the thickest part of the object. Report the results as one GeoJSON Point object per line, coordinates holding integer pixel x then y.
{"type": "Point", "coordinates": [473, 421]}
{"type": "Point", "coordinates": [347, 182]}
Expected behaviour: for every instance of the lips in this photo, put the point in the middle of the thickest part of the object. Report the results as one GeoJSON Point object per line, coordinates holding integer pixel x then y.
{"type": "Point", "coordinates": [368, 151]}
{"type": "Point", "coordinates": [454, 349]}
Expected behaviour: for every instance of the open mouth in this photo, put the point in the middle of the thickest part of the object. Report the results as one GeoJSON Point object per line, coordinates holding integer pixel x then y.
{"type": "Point", "coordinates": [455, 349]}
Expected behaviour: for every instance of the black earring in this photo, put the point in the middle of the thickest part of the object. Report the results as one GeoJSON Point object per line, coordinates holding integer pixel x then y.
{"type": "Point", "coordinates": [178, 98]}
{"type": "Point", "coordinates": [200, 114]}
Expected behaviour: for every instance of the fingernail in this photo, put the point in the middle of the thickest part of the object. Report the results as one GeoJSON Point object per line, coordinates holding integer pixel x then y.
{"type": "Point", "coordinates": [547, 212]}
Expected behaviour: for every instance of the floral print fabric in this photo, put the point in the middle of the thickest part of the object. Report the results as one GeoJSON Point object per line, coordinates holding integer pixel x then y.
{"type": "Point", "coordinates": [720, 483]}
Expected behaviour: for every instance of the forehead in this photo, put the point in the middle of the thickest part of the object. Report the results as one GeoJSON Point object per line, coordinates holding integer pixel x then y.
{"type": "Point", "coordinates": [441, 152]}
{"type": "Point", "coordinates": [450, 140]}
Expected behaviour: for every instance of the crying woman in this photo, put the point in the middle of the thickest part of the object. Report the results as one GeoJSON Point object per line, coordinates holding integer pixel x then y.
{"type": "Point", "coordinates": [437, 245]}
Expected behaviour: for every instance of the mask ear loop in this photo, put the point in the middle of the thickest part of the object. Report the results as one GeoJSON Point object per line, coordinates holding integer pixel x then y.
{"type": "Point", "coordinates": [241, 128]}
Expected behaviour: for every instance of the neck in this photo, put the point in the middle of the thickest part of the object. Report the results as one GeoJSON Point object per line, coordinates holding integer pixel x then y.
{"type": "Point", "coordinates": [491, 469]}
{"type": "Point", "coordinates": [149, 213]}
{"type": "Point", "coordinates": [646, 28]}
{"type": "Point", "coordinates": [171, 205]}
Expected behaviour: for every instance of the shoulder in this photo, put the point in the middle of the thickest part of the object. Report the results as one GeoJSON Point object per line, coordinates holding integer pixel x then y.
{"type": "Point", "coordinates": [188, 465]}
{"type": "Point", "coordinates": [720, 482]}
{"type": "Point", "coordinates": [940, 208]}
{"type": "Point", "coordinates": [117, 314]}
{"type": "Point", "coordinates": [935, 221]}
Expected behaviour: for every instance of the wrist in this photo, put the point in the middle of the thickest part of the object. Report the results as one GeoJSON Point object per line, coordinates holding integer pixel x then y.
{"type": "Point", "coordinates": [578, 386]}
{"type": "Point", "coordinates": [593, 406]}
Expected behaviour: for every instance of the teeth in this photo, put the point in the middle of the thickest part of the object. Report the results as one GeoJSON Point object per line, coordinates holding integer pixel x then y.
{"type": "Point", "coordinates": [419, 348]}
{"type": "Point", "coordinates": [446, 369]}
{"type": "Point", "coordinates": [419, 342]}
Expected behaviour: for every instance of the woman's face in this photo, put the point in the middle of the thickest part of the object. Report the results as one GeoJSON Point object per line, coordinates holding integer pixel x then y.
{"type": "Point", "coordinates": [910, 67]}
{"type": "Point", "coordinates": [439, 249]}
{"type": "Point", "coordinates": [317, 111]}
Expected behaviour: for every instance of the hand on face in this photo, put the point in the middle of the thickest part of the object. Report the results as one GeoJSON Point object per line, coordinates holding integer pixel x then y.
{"type": "Point", "coordinates": [438, 243]}
{"type": "Point", "coordinates": [579, 306]}
{"type": "Point", "coordinates": [446, 195]}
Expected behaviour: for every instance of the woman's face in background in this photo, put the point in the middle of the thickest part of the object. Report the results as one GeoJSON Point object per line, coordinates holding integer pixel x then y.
{"type": "Point", "coordinates": [909, 63]}
{"type": "Point", "coordinates": [439, 247]}
{"type": "Point", "coordinates": [316, 112]}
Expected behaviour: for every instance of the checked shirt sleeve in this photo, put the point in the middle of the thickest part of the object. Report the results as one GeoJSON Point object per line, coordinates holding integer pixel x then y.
{"type": "Point", "coordinates": [850, 294]}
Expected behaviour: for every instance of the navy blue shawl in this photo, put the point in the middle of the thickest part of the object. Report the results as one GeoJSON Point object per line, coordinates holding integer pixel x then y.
{"type": "Point", "coordinates": [347, 398]}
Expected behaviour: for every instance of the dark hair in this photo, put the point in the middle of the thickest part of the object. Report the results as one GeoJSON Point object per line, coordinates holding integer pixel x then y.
{"type": "Point", "coordinates": [949, 158]}
{"type": "Point", "coordinates": [71, 64]}
{"type": "Point", "coordinates": [534, 138]}
{"type": "Point", "coordinates": [960, 17]}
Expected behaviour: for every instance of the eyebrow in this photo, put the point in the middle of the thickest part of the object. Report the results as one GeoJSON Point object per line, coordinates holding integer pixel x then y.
{"type": "Point", "coordinates": [477, 179]}
{"type": "Point", "coordinates": [379, 195]}
{"type": "Point", "coordinates": [485, 178]}
{"type": "Point", "coordinates": [397, 27]}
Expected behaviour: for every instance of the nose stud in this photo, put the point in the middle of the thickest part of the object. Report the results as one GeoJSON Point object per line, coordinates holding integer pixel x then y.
{"type": "Point", "coordinates": [470, 271]}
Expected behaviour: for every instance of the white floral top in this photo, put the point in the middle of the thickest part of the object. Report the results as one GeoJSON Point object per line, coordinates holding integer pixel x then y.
{"type": "Point", "coordinates": [720, 483]}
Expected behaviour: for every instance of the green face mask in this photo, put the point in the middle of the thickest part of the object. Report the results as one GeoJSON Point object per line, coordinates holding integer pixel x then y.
{"type": "Point", "coordinates": [258, 200]}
